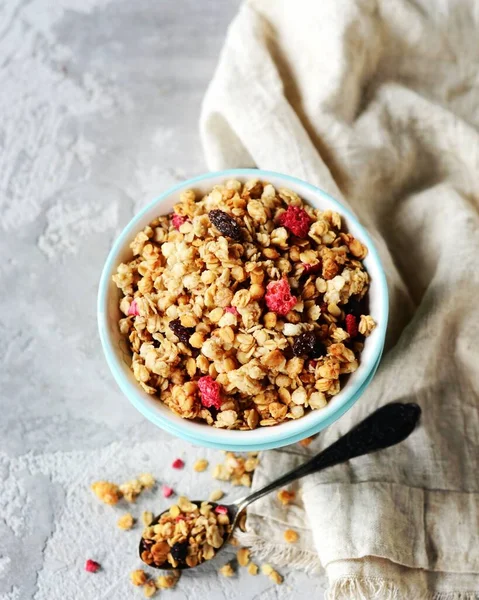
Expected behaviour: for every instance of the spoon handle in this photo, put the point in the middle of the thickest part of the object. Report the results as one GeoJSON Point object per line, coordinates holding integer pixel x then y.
{"type": "Point", "coordinates": [385, 427]}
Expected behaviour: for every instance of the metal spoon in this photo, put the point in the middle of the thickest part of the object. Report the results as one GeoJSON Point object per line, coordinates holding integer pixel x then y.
{"type": "Point", "coordinates": [385, 427]}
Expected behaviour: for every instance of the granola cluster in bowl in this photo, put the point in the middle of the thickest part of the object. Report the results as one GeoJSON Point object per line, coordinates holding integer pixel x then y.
{"type": "Point", "coordinates": [244, 304]}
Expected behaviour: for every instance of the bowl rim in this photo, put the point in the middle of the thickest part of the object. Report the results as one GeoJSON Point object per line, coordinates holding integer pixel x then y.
{"type": "Point", "coordinates": [275, 436]}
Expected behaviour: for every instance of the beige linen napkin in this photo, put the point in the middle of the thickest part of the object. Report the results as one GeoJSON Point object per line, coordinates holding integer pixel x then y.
{"type": "Point", "coordinates": [376, 101]}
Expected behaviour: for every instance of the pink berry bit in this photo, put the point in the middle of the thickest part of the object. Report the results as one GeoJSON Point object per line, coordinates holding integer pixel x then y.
{"type": "Point", "coordinates": [278, 297]}
{"type": "Point", "coordinates": [178, 220]}
{"type": "Point", "coordinates": [178, 463]}
{"type": "Point", "coordinates": [133, 310]}
{"type": "Point", "coordinates": [92, 566]}
{"type": "Point", "coordinates": [297, 220]}
{"type": "Point", "coordinates": [210, 392]}
{"type": "Point", "coordinates": [221, 510]}
{"type": "Point", "coordinates": [166, 490]}
{"type": "Point", "coordinates": [232, 309]}
{"type": "Point", "coordinates": [352, 325]}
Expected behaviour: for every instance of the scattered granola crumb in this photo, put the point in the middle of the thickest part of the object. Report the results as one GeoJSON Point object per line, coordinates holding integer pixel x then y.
{"type": "Point", "coordinates": [131, 490]}
{"type": "Point", "coordinates": [92, 566]}
{"type": "Point", "coordinates": [253, 569]}
{"type": "Point", "coordinates": [138, 577]}
{"type": "Point", "coordinates": [236, 468]}
{"type": "Point", "coordinates": [266, 569]}
{"type": "Point", "coordinates": [126, 521]}
{"type": "Point", "coordinates": [276, 577]}
{"type": "Point", "coordinates": [107, 492]}
{"type": "Point", "coordinates": [286, 497]}
{"type": "Point", "coordinates": [306, 442]}
{"type": "Point", "coordinates": [243, 556]}
{"type": "Point", "coordinates": [164, 582]}
{"type": "Point", "coordinates": [149, 589]}
{"type": "Point", "coordinates": [147, 481]}
{"type": "Point", "coordinates": [291, 536]}
{"type": "Point", "coordinates": [216, 495]}
{"type": "Point", "coordinates": [200, 465]}
{"type": "Point", "coordinates": [227, 570]}
{"type": "Point", "coordinates": [167, 491]}
{"type": "Point", "coordinates": [147, 518]}
{"type": "Point", "coordinates": [178, 463]}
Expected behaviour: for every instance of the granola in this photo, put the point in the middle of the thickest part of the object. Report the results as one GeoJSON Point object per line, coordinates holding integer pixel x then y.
{"type": "Point", "coordinates": [188, 534]}
{"type": "Point", "coordinates": [244, 308]}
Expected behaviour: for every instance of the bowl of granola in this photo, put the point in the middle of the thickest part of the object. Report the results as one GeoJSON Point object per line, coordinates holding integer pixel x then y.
{"type": "Point", "coordinates": [243, 310]}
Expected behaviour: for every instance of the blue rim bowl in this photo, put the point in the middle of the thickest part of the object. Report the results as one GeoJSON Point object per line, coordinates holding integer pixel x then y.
{"type": "Point", "coordinates": [118, 356]}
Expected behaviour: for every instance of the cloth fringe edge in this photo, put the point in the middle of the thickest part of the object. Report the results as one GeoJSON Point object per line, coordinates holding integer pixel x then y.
{"type": "Point", "coordinates": [348, 588]}
{"type": "Point", "coordinates": [280, 556]}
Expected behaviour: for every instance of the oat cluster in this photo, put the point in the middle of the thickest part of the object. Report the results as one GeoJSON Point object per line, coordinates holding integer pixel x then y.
{"type": "Point", "coordinates": [246, 307]}
{"type": "Point", "coordinates": [187, 534]}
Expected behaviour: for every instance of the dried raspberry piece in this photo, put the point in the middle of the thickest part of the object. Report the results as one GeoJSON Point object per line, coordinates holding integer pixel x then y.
{"type": "Point", "coordinates": [352, 325]}
{"type": "Point", "coordinates": [297, 220]}
{"type": "Point", "coordinates": [178, 463]}
{"type": "Point", "coordinates": [178, 220]}
{"type": "Point", "coordinates": [92, 566]}
{"type": "Point", "coordinates": [182, 333]}
{"type": "Point", "coordinates": [312, 268]}
{"type": "Point", "coordinates": [166, 490]}
{"type": "Point", "coordinates": [307, 344]}
{"type": "Point", "coordinates": [133, 310]}
{"type": "Point", "coordinates": [221, 510]}
{"type": "Point", "coordinates": [210, 391]}
{"type": "Point", "coordinates": [226, 224]}
{"type": "Point", "coordinates": [278, 297]}
{"type": "Point", "coordinates": [232, 309]}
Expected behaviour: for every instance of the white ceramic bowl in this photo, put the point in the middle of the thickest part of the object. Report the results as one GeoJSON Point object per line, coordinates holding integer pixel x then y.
{"type": "Point", "coordinates": [118, 355]}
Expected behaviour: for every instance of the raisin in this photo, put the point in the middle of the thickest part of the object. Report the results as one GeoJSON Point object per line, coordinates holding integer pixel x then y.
{"type": "Point", "coordinates": [226, 224]}
{"type": "Point", "coordinates": [307, 344]}
{"type": "Point", "coordinates": [179, 551]}
{"type": "Point", "coordinates": [182, 333]}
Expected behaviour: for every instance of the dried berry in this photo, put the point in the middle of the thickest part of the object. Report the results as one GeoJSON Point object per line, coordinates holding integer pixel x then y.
{"type": "Point", "coordinates": [133, 310]}
{"type": "Point", "coordinates": [307, 344]}
{"type": "Point", "coordinates": [297, 220]}
{"type": "Point", "coordinates": [352, 325]}
{"type": "Point", "coordinates": [232, 309]}
{"type": "Point", "coordinates": [226, 224]}
{"type": "Point", "coordinates": [179, 551]}
{"type": "Point", "coordinates": [278, 297]}
{"type": "Point", "coordinates": [178, 463]}
{"type": "Point", "coordinates": [165, 489]}
{"type": "Point", "coordinates": [221, 510]}
{"type": "Point", "coordinates": [178, 220]}
{"type": "Point", "coordinates": [182, 333]}
{"type": "Point", "coordinates": [210, 391]}
{"type": "Point", "coordinates": [92, 566]}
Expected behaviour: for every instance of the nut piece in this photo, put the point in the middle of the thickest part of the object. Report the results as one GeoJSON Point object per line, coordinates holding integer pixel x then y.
{"type": "Point", "coordinates": [252, 569]}
{"type": "Point", "coordinates": [306, 442]}
{"type": "Point", "coordinates": [107, 492]}
{"type": "Point", "coordinates": [276, 577]}
{"type": "Point", "coordinates": [138, 577]}
{"type": "Point", "coordinates": [147, 518]}
{"type": "Point", "coordinates": [126, 521]}
{"type": "Point", "coordinates": [200, 465]}
{"type": "Point", "coordinates": [227, 570]}
{"type": "Point", "coordinates": [266, 569]}
{"type": "Point", "coordinates": [286, 497]}
{"type": "Point", "coordinates": [164, 582]}
{"type": "Point", "coordinates": [216, 495]}
{"type": "Point", "coordinates": [149, 589]}
{"type": "Point", "coordinates": [147, 481]}
{"type": "Point", "coordinates": [243, 556]}
{"type": "Point", "coordinates": [291, 536]}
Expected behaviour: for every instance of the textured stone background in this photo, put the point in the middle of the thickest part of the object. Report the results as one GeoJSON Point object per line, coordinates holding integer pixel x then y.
{"type": "Point", "coordinates": [99, 106]}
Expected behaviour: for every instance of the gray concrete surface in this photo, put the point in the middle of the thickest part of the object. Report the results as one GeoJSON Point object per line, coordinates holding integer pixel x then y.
{"type": "Point", "coordinates": [99, 107]}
